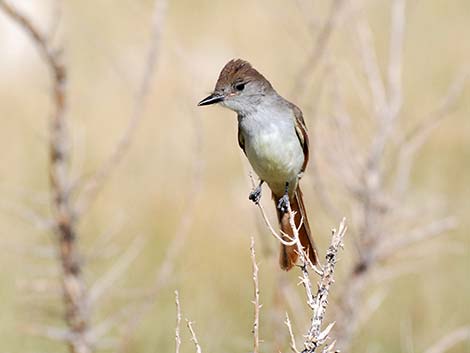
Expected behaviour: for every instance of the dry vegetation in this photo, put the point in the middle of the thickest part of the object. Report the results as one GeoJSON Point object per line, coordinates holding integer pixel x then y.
{"type": "Point", "coordinates": [116, 190]}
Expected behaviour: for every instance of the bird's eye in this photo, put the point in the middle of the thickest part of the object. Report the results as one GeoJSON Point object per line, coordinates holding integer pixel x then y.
{"type": "Point", "coordinates": [240, 86]}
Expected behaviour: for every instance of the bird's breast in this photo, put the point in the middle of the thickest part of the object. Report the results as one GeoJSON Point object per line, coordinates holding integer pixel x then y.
{"type": "Point", "coordinates": [273, 149]}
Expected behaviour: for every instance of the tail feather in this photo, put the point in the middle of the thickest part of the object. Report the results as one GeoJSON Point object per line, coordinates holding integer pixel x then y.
{"type": "Point", "coordinates": [289, 255]}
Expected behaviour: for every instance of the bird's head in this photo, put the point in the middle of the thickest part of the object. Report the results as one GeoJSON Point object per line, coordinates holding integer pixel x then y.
{"type": "Point", "coordinates": [239, 87]}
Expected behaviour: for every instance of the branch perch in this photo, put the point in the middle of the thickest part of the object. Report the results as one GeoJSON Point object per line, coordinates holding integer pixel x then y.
{"type": "Point", "coordinates": [315, 336]}
{"type": "Point", "coordinates": [74, 290]}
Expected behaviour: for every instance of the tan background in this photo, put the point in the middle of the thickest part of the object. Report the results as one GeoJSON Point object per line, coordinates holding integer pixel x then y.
{"type": "Point", "coordinates": [105, 45]}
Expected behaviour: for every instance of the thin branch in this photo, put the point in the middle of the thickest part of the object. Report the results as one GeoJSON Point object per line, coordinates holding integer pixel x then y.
{"type": "Point", "coordinates": [433, 229]}
{"type": "Point", "coordinates": [163, 274]}
{"type": "Point", "coordinates": [74, 290]}
{"type": "Point", "coordinates": [330, 348]}
{"type": "Point", "coordinates": [50, 332]}
{"type": "Point", "coordinates": [115, 272]}
{"type": "Point", "coordinates": [395, 54]}
{"type": "Point", "coordinates": [370, 65]}
{"type": "Point", "coordinates": [281, 238]}
{"type": "Point", "coordinates": [94, 184]}
{"type": "Point", "coordinates": [256, 303]}
{"type": "Point", "coordinates": [304, 259]}
{"type": "Point", "coordinates": [293, 346]}
{"type": "Point", "coordinates": [371, 306]}
{"type": "Point", "coordinates": [178, 323]}
{"type": "Point", "coordinates": [450, 340]}
{"type": "Point", "coordinates": [101, 329]}
{"type": "Point", "coordinates": [318, 303]}
{"type": "Point", "coordinates": [387, 105]}
{"type": "Point", "coordinates": [446, 105]}
{"type": "Point", "coordinates": [38, 39]}
{"type": "Point", "coordinates": [193, 336]}
{"type": "Point", "coordinates": [103, 240]}
{"type": "Point", "coordinates": [320, 48]}
{"type": "Point", "coordinates": [379, 215]}
{"type": "Point", "coordinates": [29, 215]}
{"type": "Point", "coordinates": [56, 18]}
{"type": "Point", "coordinates": [419, 134]}
{"type": "Point", "coordinates": [187, 217]}
{"type": "Point", "coordinates": [315, 336]}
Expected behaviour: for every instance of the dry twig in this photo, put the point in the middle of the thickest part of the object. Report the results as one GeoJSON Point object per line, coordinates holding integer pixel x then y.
{"type": "Point", "coordinates": [178, 322]}
{"type": "Point", "coordinates": [280, 237]}
{"type": "Point", "coordinates": [377, 178]}
{"type": "Point", "coordinates": [115, 272]}
{"type": "Point", "coordinates": [193, 336]}
{"type": "Point", "coordinates": [317, 302]}
{"type": "Point", "coordinates": [96, 181]}
{"type": "Point", "coordinates": [256, 303]}
{"type": "Point", "coordinates": [293, 346]}
{"type": "Point", "coordinates": [450, 340]}
{"type": "Point", "coordinates": [74, 290]}
{"type": "Point", "coordinates": [320, 48]}
{"type": "Point", "coordinates": [163, 275]}
{"type": "Point", "coordinates": [189, 324]}
{"type": "Point", "coordinates": [315, 336]}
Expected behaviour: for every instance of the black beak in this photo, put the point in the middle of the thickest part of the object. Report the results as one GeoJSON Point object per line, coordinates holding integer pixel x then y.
{"type": "Point", "coordinates": [212, 99]}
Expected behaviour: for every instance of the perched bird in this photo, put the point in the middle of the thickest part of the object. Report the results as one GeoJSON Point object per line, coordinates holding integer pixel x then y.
{"type": "Point", "coordinates": [273, 136]}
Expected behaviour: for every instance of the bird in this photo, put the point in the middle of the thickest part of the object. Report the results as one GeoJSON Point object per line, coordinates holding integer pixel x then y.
{"type": "Point", "coordinates": [273, 135]}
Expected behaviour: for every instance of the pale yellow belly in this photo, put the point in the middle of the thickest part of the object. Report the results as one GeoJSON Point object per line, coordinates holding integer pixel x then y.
{"type": "Point", "coordinates": [277, 158]}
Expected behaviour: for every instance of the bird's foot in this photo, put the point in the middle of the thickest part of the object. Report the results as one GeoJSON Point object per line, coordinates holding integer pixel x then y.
{"type": "Point", "coordinates": [283, 204]}
{"type": "Point", "coordinates": [255, 195]}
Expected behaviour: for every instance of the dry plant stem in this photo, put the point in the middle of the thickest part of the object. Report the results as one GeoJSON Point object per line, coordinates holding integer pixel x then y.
{"type": "Point", "coordinates": [387, 102]}
{"type": "Point", "coordinates": [315, 336]}
{"type": "Point", "coordinates": [99, 288]}
{"type": "Point", "coordinates": [418, 136]}
{"type": "Point", "coordinates": [96, 181]}
{"type": "Point", "coordinates": [189, 324]}
{"type": "Point", "coordinates": [303, 258]}
{"type": "Point", "coordinates": [74, 290]}
{"type": "Point", "coordinates": [273, 232]}
{"type": "Point", "coordinates": [184, 226]}
{"type": "Point", "coordinates": [293, 346]}
{"type": "Point", "coordinates": [280, 238]}
{"type": "Point", "coordinates": [386, 249]}
{"type": "Point", "coordinates": [56, 18]}
{"type": "Point", "coordinates": [256, 303]}
{"type": "Point", "coordinates": [377, 197]}
{"type": "Point", "coordinates": [178, 323]}
{"type": "Point", "coordinates": [320, 47]}
{"type": "Point", "coordinates": [193, 336]}
{"type": "Point", "coordinates": [163, 275]}
{"type": "Point", "coordinates": [98, 334]}
{"type": "Point", "coordinates": [450, 340]}
{"type": "Point", "coordinates": [51, 333]}
{"type": "Point", "coordinates": [28, 215]}
{"type": "Point", "coordinates": [318, 302]}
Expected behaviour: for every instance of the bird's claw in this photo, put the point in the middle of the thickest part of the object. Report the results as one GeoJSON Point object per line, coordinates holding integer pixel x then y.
{"type": "Point", "coordinates": [283, 204]}
{"type": "Point", "coordinates": [255, 195]}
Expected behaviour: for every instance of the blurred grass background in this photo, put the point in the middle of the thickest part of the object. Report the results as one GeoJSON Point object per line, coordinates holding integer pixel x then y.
{"type": "Point", "coordinates": [105, 45]}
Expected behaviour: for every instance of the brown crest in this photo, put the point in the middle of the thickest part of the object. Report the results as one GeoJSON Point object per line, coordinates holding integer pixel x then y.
{"type": "Point", "coordinates": [238, 71]}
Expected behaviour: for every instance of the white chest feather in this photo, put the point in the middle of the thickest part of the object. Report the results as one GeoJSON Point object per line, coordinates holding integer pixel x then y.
{"type": "Point", "coordinates": [272, 147]}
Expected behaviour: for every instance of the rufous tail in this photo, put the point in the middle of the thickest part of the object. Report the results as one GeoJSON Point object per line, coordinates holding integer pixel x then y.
{"type": "Point", "coordinates": [289, 253]}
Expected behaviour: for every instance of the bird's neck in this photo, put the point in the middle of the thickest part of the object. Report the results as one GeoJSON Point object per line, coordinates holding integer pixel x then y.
{"type": "Point", "coordinates": [269, 102]}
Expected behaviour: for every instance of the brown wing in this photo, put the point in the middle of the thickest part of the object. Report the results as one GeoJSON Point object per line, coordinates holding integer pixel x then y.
{"type": "Point", "coordinates": [241, 142]}
{"type": "Point", "coordinates": [301, 130]}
